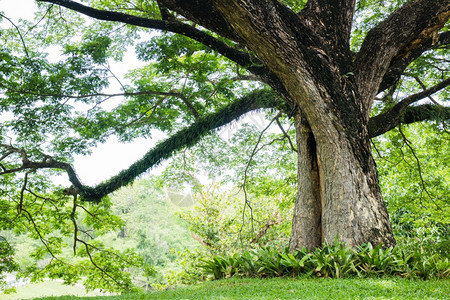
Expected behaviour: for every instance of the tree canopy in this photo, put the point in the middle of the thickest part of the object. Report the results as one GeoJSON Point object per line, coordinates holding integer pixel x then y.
{"type": "Point", "coordinates": [346, 71]}
{"type": "Point", "coordinates": [199, 92]}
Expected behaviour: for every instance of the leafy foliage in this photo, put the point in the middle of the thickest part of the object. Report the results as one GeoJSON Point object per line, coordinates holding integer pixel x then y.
{"type": "Point", "coordinates": [95, 264]}
{"type": "Point", "coordinates": [415, 181]}
{"type": "Point", "coordinates": [7, 263]}
{"type": "Point", "coordinates": [151, 227]}
{"type": "Point", "coordinates": [223, 223]}
{"type": "Point", "coordinates": [335, 261]}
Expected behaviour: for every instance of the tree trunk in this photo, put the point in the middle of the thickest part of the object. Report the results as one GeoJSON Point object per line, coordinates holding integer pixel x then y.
{"type": "Point", "coordinates": [306, 225]}
{"type": "Point", "coordinates": [338, 196]}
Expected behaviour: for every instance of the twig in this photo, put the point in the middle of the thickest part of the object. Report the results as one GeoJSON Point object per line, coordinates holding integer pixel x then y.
{"type": "Point", "coordinates": [424, 87]}
{"type": "Point", "coordinates": [75, 225]}
{"type": "Point", "coordinates": [246, 201]}
{"type": "Point", "coordinates": [18, 31]}
{"type": "Point", "coordinates": [286, 135]}
{"type": "Point", "coordinates": [42, 239]}
{"type": "Point", "coordinates": [86, 246]}
{"type": "Point", "coordinates": [419, 168]}
{"type": "Point", "coordinates": [263, 230]}
{"type": "Point", "coordinates": [108, 67]}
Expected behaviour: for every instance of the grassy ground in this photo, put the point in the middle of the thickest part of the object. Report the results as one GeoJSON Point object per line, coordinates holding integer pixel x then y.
{"type": "Point", "coordinates": [390, 288]}
{"type": "Point", "coordinates": [46, 288]}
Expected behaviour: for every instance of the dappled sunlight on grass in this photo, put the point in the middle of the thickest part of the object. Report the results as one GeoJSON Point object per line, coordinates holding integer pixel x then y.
{"type": "Point", "coordinates": [385, 283]}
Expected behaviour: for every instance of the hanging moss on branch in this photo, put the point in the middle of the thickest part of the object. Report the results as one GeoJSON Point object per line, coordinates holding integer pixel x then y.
{"type": "Point", "coordinates": [184, 138]}
{"type": "Point", "coordinates": [426, 112]}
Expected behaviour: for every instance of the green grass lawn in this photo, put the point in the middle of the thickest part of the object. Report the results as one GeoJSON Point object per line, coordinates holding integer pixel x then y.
{"type": "Point", "coordinates": [279, 288]}
{"type": "Point", "coordinates": [46, 288]}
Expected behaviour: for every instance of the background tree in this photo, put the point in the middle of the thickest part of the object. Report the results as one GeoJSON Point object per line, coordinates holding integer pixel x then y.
{"type": "Point", "coordinates": [324, 63]}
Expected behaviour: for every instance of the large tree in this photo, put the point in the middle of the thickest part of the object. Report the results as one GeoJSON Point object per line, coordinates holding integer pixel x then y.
{"type": "Point", "coordinates": [316, 61]}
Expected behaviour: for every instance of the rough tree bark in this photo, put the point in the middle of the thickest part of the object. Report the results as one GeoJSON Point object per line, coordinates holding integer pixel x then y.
{"type": "Point", "coordinates": [307, 218]}
{"type": "Point", "coordinates": [306, 58]}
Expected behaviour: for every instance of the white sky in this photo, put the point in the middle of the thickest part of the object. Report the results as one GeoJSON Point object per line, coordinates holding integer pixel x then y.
{"type": "Point", "coordinates": [15, 9]}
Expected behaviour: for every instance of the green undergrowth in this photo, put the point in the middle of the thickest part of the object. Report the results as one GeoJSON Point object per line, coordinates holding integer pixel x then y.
{"type": "Point", "coordinates": [331, 261]}
{"type": "Point", "coordinates": [299, 288]}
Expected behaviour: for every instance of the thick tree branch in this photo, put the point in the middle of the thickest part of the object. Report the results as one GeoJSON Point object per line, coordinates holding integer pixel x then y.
{"type": "Point", "coordinates": [332, 20]}
{"type": "Point", "coordinates": [165, 15]}
{"type": "Point", "coordinates": [402, 33]}
{"type": "Point", "coordinates": [173, 26]}
{"type": "Point", "coordinates": [46, 163]}
{"type": "Point", "coordinates": [204, 13]}
{"type": "Point", "coordinates": [390, 119]}
{"type": "Point", "coordinates": [244, 59]}
{"type": "Point", "coordinates": [412, 114]}
{"type": "Point", "coordinates": [425, 112]}
{"type": "Point", "coordinates": [184, 138]}
{"type": "Point", "coordinates": [398, 65]}
{"type": "Point", "coordinates": [237, 56]}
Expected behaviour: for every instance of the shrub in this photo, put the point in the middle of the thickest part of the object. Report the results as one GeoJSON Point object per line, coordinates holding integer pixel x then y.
{"type": "Point", "coordinates": [376, 261]}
